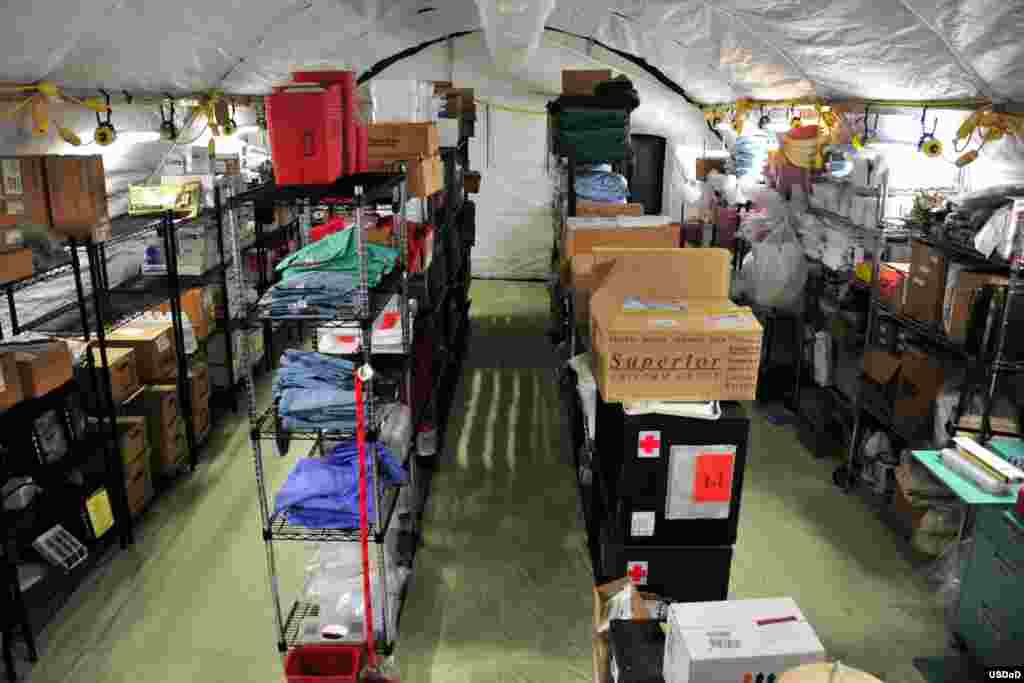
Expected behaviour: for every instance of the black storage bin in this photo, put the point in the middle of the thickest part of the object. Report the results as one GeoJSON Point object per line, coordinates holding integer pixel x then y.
{"type": "Point", "coordinates": [638, 488]}
{"type": "Point", "coordinates": [638, 649]}
{"type": "Point", "coordinates": [679, 573]}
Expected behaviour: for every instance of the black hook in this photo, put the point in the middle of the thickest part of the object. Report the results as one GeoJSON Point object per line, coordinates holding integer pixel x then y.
{"type": "Point", "coordinates": [106, 96]}
{"type": "Point", "coordinates": [128, 99]}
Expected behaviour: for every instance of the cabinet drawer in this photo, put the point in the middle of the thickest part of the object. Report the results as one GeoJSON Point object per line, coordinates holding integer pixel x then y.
{"type": "Point", "coordinates": [1005, 531]}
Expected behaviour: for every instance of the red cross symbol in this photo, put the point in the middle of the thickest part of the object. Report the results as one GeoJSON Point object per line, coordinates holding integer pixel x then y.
{"type": "Point", "coordinates": [649, 443]}
{"type": "Point", "coordinates": [638, 572]}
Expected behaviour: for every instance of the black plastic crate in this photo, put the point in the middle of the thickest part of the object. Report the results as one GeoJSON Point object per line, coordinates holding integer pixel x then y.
{"type": "Point", "coordinates": [651, 507]}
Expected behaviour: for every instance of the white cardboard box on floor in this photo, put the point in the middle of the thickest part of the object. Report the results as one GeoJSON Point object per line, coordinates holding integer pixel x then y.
{"type": "Point", "coordinates": [721, 642]}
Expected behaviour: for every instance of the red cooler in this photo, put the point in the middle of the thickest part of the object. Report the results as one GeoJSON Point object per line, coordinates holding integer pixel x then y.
{"type": "Point", "coordinates": [305, 127]}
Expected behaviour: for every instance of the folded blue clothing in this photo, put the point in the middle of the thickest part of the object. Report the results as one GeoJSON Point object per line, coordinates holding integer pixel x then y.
{"type": "Point", "coordinates": [323, 493]}
{"type": "Point", "coordinates": [290, 423]}
{"type": "Point", "coordinates": [318, 400]}
{"type": "Point", "coordinates": [305, 369]}
{"type": "Point", "coordinates": [602, 187]}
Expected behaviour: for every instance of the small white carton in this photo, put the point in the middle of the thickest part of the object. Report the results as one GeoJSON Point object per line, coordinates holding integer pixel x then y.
{"type": "Point", "coordinates": [724, 642]}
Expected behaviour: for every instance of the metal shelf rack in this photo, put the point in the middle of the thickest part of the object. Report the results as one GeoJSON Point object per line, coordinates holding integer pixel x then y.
{"type": "Point", "coordinates": [363, 191]}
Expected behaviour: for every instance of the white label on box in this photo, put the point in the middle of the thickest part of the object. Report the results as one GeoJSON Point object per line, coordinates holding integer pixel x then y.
{"type": "Point", "coordinates": [723, 640]}
{"type": "Point", "coordinates": [15, 207]}
{"type": "Point", "coordinates": [3, 384]}
{"type": "Point", "coordinates": [637, 571]}
{"type": "Point", "coordinates": [132, 332]}
{"type": "Point", "coordinates": [634, 304]}
{"type": "Point", "coordinates": [664, 323]}
{"type": "Point", "coordinates": [643, 524]}
{"type": "Point", "coordinates": [648, 444]}
{"type": "Point", "coordinates": [12, 177]}
{"type": "Point", "coordinates": [163, 342]}
{"type": "Point", "coordinates": [723, 322]}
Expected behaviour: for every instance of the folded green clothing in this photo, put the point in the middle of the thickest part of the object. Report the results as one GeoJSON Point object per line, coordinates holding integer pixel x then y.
{"type": "Point", "coordinates": [338, 252]}
{"type": "Point", "coordinates": [594, 145]}
{"type": "Point", "coordinates": [591, 119]}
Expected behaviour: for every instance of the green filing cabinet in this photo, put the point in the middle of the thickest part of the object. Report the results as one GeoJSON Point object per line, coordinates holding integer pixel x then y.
{"type": "Point", "coordinates": [991, 611]}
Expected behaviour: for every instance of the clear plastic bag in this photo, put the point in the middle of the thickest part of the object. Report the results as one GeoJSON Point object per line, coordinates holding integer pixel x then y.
{"type": "Point", "coordinates": [775, 271]}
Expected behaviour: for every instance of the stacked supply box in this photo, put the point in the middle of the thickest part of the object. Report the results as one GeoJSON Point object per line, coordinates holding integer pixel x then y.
{"type": "Point", "coordinates": [199, 376]}
{"type": "Point", "coordinates": [134, 445]}
{"type": "Point", "coordinates": [414, 145]}
{"type": "Point", "coordinates": [671, 478]}
{"type": "Point", "coordinates": [164, 427]}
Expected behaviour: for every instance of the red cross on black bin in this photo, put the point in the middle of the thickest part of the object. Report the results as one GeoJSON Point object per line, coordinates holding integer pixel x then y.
{"type": "Point", "coordinates": [648, 444]}
{"type": "Point", "coordinates": [637, 572]}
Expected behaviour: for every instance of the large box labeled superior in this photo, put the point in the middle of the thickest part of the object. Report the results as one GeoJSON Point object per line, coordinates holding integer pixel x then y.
{"type": "Point", "coordinates": [663, 329]}
{"type": "Point", "coordinates": [672, 481]}
{"type": "Point", "coordinates": [737, 640]}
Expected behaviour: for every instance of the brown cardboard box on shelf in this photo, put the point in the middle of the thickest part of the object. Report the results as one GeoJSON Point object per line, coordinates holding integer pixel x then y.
{"type": "Point", "coordinates": [959, 299]}
{"type": "Point", "coordinates": [602, 596]}
{"type": "Point", "coordinates": [663, 328]}
{"type": "Point", "coordinates": [910, 381]}
{"type": "Point", "coordinates": [24, 198]}
{"type": "Point", "coordinates": [582, 238]}
{"type": "Point", "coordinates": [583, 81]}
{"type": "Point", "coordinates": [137, 489]}
{"type": "Point", "coordinates": [926, 284]}
{"type": "Point", "coordinates": [131, 434]}
{"type": "Point", "coordinates": [43, 367]}
{"type": "Point", "coordinates": [10, 381]}
{"type": "Point", "coordinates": [585, 208]}
{"type": "Point", "coordinates": [15, 264]}
{"type": "Point", "coordinates": [78, 196]}
{"type": "Point", "coordinates": [424, 176]}
{"type": "Point", "coordinates": [154, 349]}
{"type": "Point", "coordinates": [403, 140]}
{"type": "Point", "coordinates": [192, 305]}
{"type": "Point", "coordinates": [459, 102]}
{"type": "Point", "coordinates": [124, 378]}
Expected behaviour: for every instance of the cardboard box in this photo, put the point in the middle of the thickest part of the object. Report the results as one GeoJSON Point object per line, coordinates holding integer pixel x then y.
{"type": "Point", "coordinates": [910, 381]}
{"type": "Point", "coordinates": [24, 197]}
{"type": "Point", "coordinates": [197, 251]}
{"type": "Point", "coordinates": [138, 489]}
{"type": "Point", "coordinates": [891, 284]}
{"type": "Point", "coordinates": [586, 208]}
{"type": "Point", "coordinates": [10, 381]}
{"type": "Point", "coordinates": [403, 140]}
{"type": "Point", "coordinates": [10, 238]}
{"type": "Point", "coordinates": [15, 265]}
{"type": "Point", "coordinates": [959, 300]}
{"type": "Point", "coordinates": [124, 378]}
{"type": "Point", "coordinates": [926, 284]}
{"type": "Point", "coordinates": [663, 328]}
{"type": "Point", "coordinates": [43, 367]}
{"type": "Point", "coordinates": [154, 349]}
{"type": "Point", "coordinates": [424, 177]}
{"type": "Point", "coordinates": [131, 434]}
{"type": "Point", "coordinates": [705, 166]}
{"type": "Point", "coordinates": [730, 640]}
{"type": "Point", "coordinates": [193, 305]}
{"type": "Point", "coordinates": [583, 240]}
{"type": "Point", "coordinates": [583, 81]}
{"type": "Point", "coordinates": [77, 187]}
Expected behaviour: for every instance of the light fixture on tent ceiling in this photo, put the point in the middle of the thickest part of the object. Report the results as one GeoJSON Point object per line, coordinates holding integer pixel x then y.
{"type": "Point", "coordinates": [105, 133]}
{"type": "Point", "coordinates": [37, 99]}
{"type": "Point", "coordinates": [929, 145]}
{"type": "Point", "coordinates": [870, 135]}
{"type": "Point", "coordinates": [795, 120]}
{"type": "Point", "coordinates": [168, 129]}
{"type": "Point", "coordinates": [765, 120]}
{"type": "Point", "coordinates": [230, 126]}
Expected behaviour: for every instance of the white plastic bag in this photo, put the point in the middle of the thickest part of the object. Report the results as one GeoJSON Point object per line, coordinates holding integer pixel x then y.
{"type": "Point", "coordinates": [775, 271]}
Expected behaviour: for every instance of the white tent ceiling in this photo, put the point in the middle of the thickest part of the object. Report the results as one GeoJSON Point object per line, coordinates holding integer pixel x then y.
{"type": "Point", "coordinates": [717, 51]}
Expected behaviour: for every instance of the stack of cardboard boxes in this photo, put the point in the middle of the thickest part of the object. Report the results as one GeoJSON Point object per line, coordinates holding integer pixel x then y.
{"type": "Point", "coordinates": [133, 441]}
{"type": "Point", "coordinates": [417, 146]}
{"type": "Point", "coordinates": [65, 195]}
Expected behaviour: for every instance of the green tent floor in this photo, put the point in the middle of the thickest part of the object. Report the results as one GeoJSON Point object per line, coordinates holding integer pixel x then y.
{"type": "Point", "coordinates": [501, 586]}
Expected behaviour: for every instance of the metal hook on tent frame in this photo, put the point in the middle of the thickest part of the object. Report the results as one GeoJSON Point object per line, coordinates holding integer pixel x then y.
{"type": "Point", "coordinates": [168, 129]}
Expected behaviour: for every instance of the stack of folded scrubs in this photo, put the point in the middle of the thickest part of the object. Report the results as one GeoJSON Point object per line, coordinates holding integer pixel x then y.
{"type": "Point", "coordinates": [312, 294]}
{"type": "Point", "coordinates": [315, 392]}
{"type": "Point", "coordinates": [323, 493]}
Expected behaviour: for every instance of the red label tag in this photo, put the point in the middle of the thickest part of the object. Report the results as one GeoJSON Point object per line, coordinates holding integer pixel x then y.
{"type": "Point", "coordinates": [389, 320]}
{"type": "Point", "coordinates": [713, 480]}
{"type": "Point", "coordinates": [344, 340]}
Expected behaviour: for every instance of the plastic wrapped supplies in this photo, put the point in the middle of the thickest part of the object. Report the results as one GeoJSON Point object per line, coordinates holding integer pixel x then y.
{"type": "Point", "coordinates": [773, 274]}
{"type": "Point", "coordinates": [602, 186]}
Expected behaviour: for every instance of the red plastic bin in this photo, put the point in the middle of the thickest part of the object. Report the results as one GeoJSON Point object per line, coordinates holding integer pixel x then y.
{"type": "Point", "coordinates": [323, 664]}
{"type": "Point", "coordinates": [306, 135]}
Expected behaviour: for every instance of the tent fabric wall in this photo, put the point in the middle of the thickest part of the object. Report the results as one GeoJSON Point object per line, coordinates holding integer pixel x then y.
{"type": "Point", "coordinates": [717, 51]}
